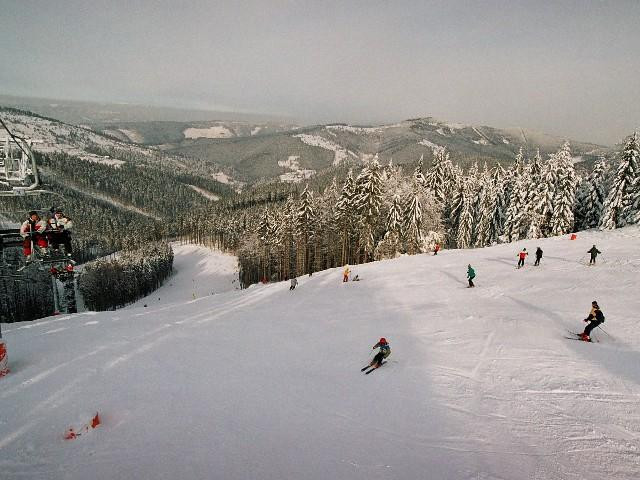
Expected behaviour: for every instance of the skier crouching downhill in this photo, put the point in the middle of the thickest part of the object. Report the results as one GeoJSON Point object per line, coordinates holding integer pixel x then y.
{"type": "Point", "coordinates": [378, 360]}
{"type": "Point", "coordinates": [595, 318]}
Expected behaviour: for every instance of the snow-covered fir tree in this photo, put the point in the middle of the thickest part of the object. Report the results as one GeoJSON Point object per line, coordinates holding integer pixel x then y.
{"type": "Point", "coordinates": [305, 227]}
{"type": "Point", "coordinates": [440, 177]}
{"type": "Point", "coordinates": [465, 220]}
{"type": "Point", "coordinates": [546, 194]}
{"type": "Point", "coordinates": [619, 208]}
{"type": "Point", "coordinates": [515, 218]}
{"type": "Point", "coordinates": [345, 217]}
{"type": "Point", "coordinates": [486, 210]}
{"type": "Point", "coordinates": [591, 197]}
{"type": "Point", "coordinates": [368, 200]}
{"type": "Point", "coordinates": [418, 173]}
{"type": "Point", "coordinates": [562, 220]}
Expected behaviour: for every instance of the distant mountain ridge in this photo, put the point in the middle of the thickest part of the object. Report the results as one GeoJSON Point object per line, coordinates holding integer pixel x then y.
{"type": "Point", "coordinates": [252, 149]}
{"type": "Point", "coordinates": [318, 147]}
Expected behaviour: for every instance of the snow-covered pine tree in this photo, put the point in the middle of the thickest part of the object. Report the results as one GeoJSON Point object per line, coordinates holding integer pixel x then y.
{"type": "Point", "coordinates": [368, 200]}
{"type": "Point", "coordinates": [345, 218]}
{"type": "Point", "coordinates": [546, 194]}
{"type": "Point", "coordinates": [619, 208]}
{"type": "Point", "coordinates": [516, 212]}
{"type": "Point", "coordinates": [562, 220]}
{"type": "Point", "coordinates": [288, 216]}
{"type": "Point", "coordinates": [305, 228]}
{"type": "Point", "coordinates": [391, 245]}
{"type": "Point", "coordinates": [532, 227]}
{"type": "Point", "coordinates": [475, 191]}
{"type": "Point", "coordinates": [439, 179]}
{"type": "Point", "coordinates": [418, 173]}
{"type": "Point", "coordinates": [465, 221]}
{"type": "Point", "coordinates": [591, 198]}
{"type": "Point", "coordinates": [394, 218]}
{"type": "Point", "coordinates": [412, 219]}
{"type": "Point", "coordinates": [325, 242]}
{"type": "Point", "coordinates": [511, 176]}
{"type": "Point", "coordinates": [265, 235]}
{"type": "Point", "coordinates": [486, 213]}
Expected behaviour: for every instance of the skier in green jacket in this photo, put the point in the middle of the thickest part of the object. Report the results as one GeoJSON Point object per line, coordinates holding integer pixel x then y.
{"type": "Point", "coordinates": [471, 274]}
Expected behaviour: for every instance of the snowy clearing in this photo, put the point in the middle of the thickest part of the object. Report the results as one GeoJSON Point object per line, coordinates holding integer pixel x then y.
{"type": "Point", "coordinates": [205, 193]}
{"type": "Point", "coordinates": [132, 135]}
{"type": "Point", "coordinates": [217, 131]}
{"type": "Point", "coordinates": [264, 383]}
{"type": "Point", "coordinates": [222, 178]}
{"type": "Point", "coordinates": [297, 174]}
{"type": "Point", "coordinates": [356, 130]}
{"type": "Point", "coordinates": [340, 153]}
{"type": "Point", "coordinates": [427, 143]}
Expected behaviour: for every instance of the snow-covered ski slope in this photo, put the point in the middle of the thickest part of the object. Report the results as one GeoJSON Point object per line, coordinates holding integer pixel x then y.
{"type": "Point", "coordinates": [265, 383]}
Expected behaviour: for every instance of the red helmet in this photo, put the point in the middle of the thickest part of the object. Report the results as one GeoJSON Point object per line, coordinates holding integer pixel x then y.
{"type": "Point", "coordinates": [383, 340]}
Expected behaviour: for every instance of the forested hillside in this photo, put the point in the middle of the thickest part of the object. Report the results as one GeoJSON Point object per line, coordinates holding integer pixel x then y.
{"type": "Point", "coordinates": [113, 208]}
{"type": "Point", "coordinates": [386, 210]}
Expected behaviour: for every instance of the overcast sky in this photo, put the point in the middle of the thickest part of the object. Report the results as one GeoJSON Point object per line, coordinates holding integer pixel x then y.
{"type": "Point", "coordinates": [570, 68]}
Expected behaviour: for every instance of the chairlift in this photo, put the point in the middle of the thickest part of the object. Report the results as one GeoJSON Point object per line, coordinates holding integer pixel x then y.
{"type": "Point", "coordinates": [18, 168]}
{"type": "Point", "coordinates": [18, 177]}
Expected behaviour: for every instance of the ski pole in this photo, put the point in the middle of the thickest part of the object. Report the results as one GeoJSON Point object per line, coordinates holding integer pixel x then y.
{"type": "Point", "coordinates": [603, 330]}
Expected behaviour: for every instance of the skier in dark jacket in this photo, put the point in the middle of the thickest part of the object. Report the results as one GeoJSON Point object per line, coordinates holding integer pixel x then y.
{"type": "Point", "coordinates": [538, 257]}
{"type": "Point", "coordinates": [385, 351]}
{"type": "Point", "coordinates": [594, 253]}
{"type": "Point", "coordinates": [471, 274]}
{"type": "Point", "coordinates": [595, 318]}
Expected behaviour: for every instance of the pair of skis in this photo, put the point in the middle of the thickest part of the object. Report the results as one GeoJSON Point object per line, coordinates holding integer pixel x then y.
{"type": "Point", "coordinates": [370, 369]}
{"type": "Point", "coordinates": [578, 336]}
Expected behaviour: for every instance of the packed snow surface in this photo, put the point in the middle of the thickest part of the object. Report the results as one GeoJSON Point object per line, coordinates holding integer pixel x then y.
{"type": "Point", "coordinates": [265, 383]}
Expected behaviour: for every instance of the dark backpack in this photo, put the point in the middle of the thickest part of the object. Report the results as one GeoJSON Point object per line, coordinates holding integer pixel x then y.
{"type": "Point", "coordinates": [599, 316]}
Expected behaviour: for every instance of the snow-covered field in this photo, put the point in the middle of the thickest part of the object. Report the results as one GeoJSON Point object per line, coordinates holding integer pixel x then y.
{"type": "Point", "coordinates": [340, 153]}
{"type": "Point", "coordinates": [427, 143]}
{"type": "Point", "coordinates": [217, 131]}
{"type": "Point", "coordinates": [297, 174]}
{"type": "Point", "coordinates": [264, 383]}
{"type": "Point", "coordinates": [205, 193]}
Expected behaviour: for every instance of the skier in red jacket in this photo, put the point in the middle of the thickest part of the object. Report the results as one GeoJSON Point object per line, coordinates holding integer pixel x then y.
{"type": "Point", "coordinates": [522, 255]}
{"type": "Point", "coordinates": [33, 231]}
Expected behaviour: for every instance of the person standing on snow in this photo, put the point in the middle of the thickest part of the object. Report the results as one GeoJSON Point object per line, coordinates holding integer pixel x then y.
{"type": "Point", "coordinates": [471, 274]}
{"type": "Point", "coordinates": [294, 283]}
{"type": "Point", "coordinates": [594, 253]}
{"type": "Point", "coordinates": [436, 249]}
{"type": "Point", "coordinates": [522, 256]}
{"type": "Point", "coordinates": [538, 257]}
{"type": "Point", "coordinates": [345, 274]}
{"type": "Point", "coordinates": [595, 318]}
{"type": "Point", "coordinates": [385, 351]}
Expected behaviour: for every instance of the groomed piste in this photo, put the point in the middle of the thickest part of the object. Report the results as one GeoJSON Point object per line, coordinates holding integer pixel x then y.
{"type": "Point", "coordinates": [211, 382]}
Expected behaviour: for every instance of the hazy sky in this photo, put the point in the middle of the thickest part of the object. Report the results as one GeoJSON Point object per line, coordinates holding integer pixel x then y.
{"type": "Point", "coordinates": [569, 67]}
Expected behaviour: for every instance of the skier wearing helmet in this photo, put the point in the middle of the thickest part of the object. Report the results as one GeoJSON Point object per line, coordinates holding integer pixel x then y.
{"type": "Point", "coordinates": [385, 351]}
